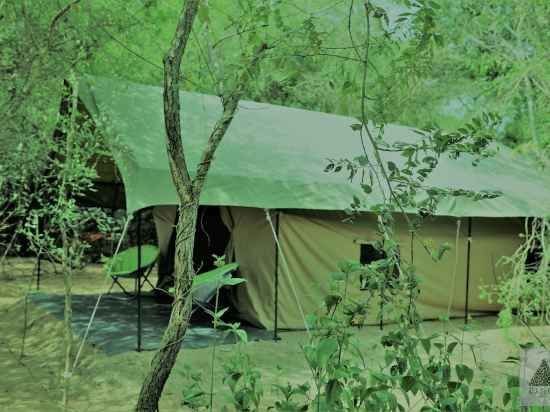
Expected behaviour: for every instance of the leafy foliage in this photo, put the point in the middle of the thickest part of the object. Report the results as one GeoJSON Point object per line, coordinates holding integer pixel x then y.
{"type": "Point", "coordinates": [524, 292]}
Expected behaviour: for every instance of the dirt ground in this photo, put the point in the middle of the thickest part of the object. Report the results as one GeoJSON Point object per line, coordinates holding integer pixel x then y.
{"type": "Point", "coordinates": [31, 362]}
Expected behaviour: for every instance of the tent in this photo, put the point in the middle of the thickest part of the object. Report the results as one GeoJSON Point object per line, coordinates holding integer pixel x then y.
{"type": "Point", "coordinates": [284, 214]}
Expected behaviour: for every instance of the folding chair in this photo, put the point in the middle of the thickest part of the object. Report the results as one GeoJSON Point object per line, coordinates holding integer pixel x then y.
{"type": "Point", "coordinates": [206, 284]}
{"type": "Point", "coordinates": [124, 266]}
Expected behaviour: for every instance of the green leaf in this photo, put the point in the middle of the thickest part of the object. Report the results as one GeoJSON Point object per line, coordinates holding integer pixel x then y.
{"type": "Point", "coordinates": [232, 281]}
{"type": "Point", "coordinates": [472, 405]}
{"type": "Point", "coordinates": [356, 127]}
{"type": "Point", "coordinates": [366, 188]}
{"type": "Point", "coordinates": [325, 350]}
{"type": "Point", "coordinates": [426, 344]}
{"type": "Point", "coordinates": [389, 357]}
{"type": "Point", "coordinates": [469, 374]}
{"type": "Point", "coordinates": [451, 346]}
{"type": "Point", "coordinates": [203, 13]}
{"type": "Point", "coordinates": [407, 382]}
{"type": "Point", "coordinates": [453, 386]}
{"type": "Point", "coordinates": [333, 391]}
{"type": "Point", "coordinates": [337, 276]}
{"type": "Point", "coordinates": [243, 336]}
{"type": "Point", "coordinates": [220, 313]}
{"type": "Point", "coordinates": [511, 359]}
{"type": "Point", "coordinates": [512, 381]}
{"type": "Point", "coordinates": [464, 373]}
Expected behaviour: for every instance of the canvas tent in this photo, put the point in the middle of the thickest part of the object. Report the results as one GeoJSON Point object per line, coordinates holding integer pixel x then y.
{"type": "Point", "coordinates": [284, 214]}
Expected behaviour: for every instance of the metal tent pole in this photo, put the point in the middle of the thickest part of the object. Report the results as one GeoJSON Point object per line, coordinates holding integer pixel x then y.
{"type": "Point", "coordinates": [275, 335]}
{"type": "Point", "coordinates": [38, 270]}
{"type": "Point", "coordinates": [39, 257]}
{"type": "Point", "coordinates": [412, 248]}
{"type": "Point", "coordinates": [410, 283]}
{"type": "Point", "coordinates": [285, 263]}
{"type": "Point", "coordinates": [139, 281]}
{"type": "Point", "coordinates": [468, 270]}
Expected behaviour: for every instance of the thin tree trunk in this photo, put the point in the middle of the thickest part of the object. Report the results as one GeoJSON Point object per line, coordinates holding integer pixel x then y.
{"type": "Point", "coordinates": [189, 191]}
{"type": "Point", "coordinates": [68, 317]}
{"type": "Point", "coordinates": [165, 358]}
{"type": "Point", "coordinates": [67, 244]}
{"type": "Point", "coordinates": [531, 111]}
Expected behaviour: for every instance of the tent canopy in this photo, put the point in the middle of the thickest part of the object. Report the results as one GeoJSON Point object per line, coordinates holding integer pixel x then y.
{"type": "Point", "coordinates": [274, 157]}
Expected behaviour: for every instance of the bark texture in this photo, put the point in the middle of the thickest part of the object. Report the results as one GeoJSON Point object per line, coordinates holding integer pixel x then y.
{"type": "Point", "coordinates": [68, 246]}
{"type": "Point", "coordinates": [166, 356]}
{"type": "Point", "coordinates": [172, 65]}
{"type": "Point", "coordinates": [164, 359]}
{"type": "Point", "coordinates": [189, 191]}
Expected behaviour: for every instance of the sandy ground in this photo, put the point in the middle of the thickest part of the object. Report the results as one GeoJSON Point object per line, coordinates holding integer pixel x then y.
{"type": "Point", "coordinates": [30, 368]}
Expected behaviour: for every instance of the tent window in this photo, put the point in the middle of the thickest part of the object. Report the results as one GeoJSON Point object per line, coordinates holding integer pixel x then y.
{"type": "Point", "coordinates": [369, 254]}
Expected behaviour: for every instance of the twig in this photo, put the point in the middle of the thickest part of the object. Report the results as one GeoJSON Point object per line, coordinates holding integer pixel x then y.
{"type": "Point", "coordinates": [59, 15]}
{"type": "Point", "coordinates": [230, 105]}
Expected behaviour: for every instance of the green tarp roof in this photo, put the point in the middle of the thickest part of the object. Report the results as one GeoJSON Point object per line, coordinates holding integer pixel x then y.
{"type": "Point", "coordinates": [274, 157]}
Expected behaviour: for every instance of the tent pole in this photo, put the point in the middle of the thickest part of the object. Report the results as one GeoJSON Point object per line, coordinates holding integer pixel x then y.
{"type": "Point", "coordinates": [381, 316]}
{"type": "Point", "coordinates": [38, 270]}
{"type": "Point", "coordinates": [410, 289]}
{"type": "Point", "coordinates": [139, 281]}
{"type": "Point", "coordinates": [276, 315]}
{"type": "Point", "coordinates": [39, 258]}
{"type": "Point", "coordinates": [466, 311]}
{"type": "Point", "coordinates": [412, 247]}
{"type": "Point", "coordinates": [285, 263]}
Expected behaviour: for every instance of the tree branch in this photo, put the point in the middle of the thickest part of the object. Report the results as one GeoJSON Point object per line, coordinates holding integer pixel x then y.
{"type": "Point", "coordinates": [230, 105]}
{"type": "Point", "coordinates": [172, 64]}
{"type": "Point", "coordinates": [60, 14]}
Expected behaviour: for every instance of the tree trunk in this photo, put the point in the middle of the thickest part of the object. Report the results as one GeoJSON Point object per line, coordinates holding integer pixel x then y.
{"type": "Point", "coordinates": [68, 244]}
{"type": "Point", "coordinates": [165, 358]}
{"type": "Point", "coordinates": [189, 191]}
{"type": "Point", "coordinates": [68, 317]}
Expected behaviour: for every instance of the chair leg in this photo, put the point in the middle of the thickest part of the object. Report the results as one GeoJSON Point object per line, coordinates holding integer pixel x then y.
{"type": "Point", "coordinates": [111, 287]}
{"type": "Point", "coordinates": [115, 280]}
{"type": "Point", "coordinates": [146, 278]}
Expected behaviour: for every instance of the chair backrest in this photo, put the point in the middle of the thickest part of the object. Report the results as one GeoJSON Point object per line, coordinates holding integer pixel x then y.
{"type": "Point", "coordinates": [215, 275]}
{"type": "Point", "coordinates": [206, 284]}
{"type": "Point", "coordinates": [125, 262]}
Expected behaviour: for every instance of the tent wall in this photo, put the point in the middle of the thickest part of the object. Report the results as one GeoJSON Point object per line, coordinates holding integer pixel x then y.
{"type": "Point", "coordinates": [165, 219]}
{"type": "Point", "coordinates": [211, 237]}
{"type": "Point", "coordinates": [254, 250]}
{"type": "Point", "coordinates": [313, 244]}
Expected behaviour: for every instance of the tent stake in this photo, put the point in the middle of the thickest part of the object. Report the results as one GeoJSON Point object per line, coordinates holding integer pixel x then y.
{"type": "Point", "coordinates": [468, 270]}
{"type": "Point", "coordinates": [139, 281]}
{"type": "Point", "coordinates": [275, 330]}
